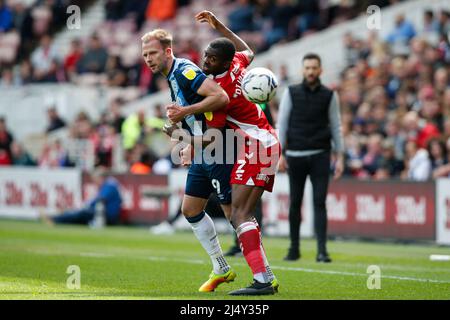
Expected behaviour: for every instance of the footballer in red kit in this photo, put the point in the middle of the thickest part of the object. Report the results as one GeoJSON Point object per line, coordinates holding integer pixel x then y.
{"type": "Point", "coordinates": [225, 59]}
{"type": "Point", "coordinates": [249, 120]}
{"type": "Point", "coordinates": [258, 148]}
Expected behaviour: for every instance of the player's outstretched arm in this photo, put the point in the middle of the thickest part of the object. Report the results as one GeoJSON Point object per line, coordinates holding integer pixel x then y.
{"type": "Point", "coordinates": [215, 99]}
{"type": "Point", "coordinates": [215, 23]}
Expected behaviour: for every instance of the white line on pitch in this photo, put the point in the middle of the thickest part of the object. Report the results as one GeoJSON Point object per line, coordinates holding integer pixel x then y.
{"type": "Point", "coordinates": [343, 273]}
{"type": "Point", "coordinates": [297, 269]}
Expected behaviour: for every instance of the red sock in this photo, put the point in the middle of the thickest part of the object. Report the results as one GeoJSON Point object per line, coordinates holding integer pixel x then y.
{"type": "Point", "coordinates": [250, 241]}
{"type": "Point", "coordinates": [259, 231]}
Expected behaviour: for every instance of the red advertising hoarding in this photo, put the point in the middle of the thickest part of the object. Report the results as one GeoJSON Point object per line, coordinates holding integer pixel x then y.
{"type": "Point", "coordinates": [26, 191]}
{"type": "Point", "coordinates": [145, 197]}
{"type": "Point", "coordinates": [394, 209]}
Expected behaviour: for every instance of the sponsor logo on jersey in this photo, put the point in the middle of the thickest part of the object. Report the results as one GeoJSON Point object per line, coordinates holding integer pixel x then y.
{"type": "Point", "coordinates": [250, 182]}
{"type": "Point", "coordinates": [261, 176]}
{"type": "Point", "coordinates": [189, 73]}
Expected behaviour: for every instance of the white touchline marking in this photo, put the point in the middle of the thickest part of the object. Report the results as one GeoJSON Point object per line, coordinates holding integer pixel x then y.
{"type": "Point", "coordinates": [96, 254]}
{"type": "Point", "coordinates": [298, 269]}
{"type": "Point", "coordinates": [357, 274]}
{"type": "Point", "coordinates": [176, 260]}
{"type": "Point", "coordinates": [396, 267]}
{"type": "Point", "coordinates": [344, 273]}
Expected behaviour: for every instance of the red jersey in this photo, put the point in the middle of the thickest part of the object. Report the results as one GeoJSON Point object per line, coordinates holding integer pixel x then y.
{"type": "Point", "coordinates": [251, 168]}
{"type": "Point", "coordinates": [241, 113]}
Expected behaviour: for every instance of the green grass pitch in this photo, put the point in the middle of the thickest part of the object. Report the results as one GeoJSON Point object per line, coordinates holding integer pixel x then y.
{"type": "Point", "coordinates": [130, 263]}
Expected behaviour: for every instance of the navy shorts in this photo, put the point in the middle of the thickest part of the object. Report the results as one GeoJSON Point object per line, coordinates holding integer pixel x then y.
{"type": "Point", "coordinates": [204, 179]}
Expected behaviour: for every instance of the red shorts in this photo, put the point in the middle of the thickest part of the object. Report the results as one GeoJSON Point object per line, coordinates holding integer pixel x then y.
{"type": "Point", "coordinates": [256, 167]}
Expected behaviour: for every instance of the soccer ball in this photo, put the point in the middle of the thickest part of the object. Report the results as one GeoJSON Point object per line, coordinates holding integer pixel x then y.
{"type": "Point", "coordinates": [259, 85]}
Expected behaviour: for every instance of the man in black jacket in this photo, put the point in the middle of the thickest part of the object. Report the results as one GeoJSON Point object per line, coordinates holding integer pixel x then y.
{"type": "Point", "coordinates": [309, 120]}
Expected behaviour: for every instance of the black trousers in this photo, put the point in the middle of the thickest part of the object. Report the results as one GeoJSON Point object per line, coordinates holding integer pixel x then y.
{"type": "Point", "coordinates": [317, 167]}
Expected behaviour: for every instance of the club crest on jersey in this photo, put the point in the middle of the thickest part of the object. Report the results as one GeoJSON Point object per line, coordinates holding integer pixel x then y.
{"type": "Point", "coordinates": [189, 73]}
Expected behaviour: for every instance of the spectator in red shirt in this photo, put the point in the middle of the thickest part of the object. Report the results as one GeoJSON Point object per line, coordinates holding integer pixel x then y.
{"type": "Point", "coordinates": [71, 60]}
{"type": "Point", "coordinates": [5, 159]}
{"type": "Point", "coordinates": [418, 129]}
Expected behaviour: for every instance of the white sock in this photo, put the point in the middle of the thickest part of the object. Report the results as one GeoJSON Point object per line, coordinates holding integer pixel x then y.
{"type": "Point", "coordinates": [205, 232]}
{"type": "Point", "coordinates": [261, 277]}
{"type": "Point", "coordinates": [270, 274]}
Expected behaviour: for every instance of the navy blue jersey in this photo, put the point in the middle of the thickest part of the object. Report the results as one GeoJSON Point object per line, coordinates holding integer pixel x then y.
{"type": "Point", "coordinates": [185, 78]}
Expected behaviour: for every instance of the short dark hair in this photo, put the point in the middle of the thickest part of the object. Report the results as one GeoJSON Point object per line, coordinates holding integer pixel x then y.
{"type": "Point", "coordinates": [224, 47]}
{"type": "Point", "coordinates": [429, 13]}
{"type": "Point", "coordinates": [312, 56]}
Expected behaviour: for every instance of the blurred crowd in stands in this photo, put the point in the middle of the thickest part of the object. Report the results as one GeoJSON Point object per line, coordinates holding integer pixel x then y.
{"type": "Point", "coordinates": [395, 101]}
{"type": "Point", "coordinates": [394, 92]}
{"type": "Point", "coordinates": [145, 147]}
{"type": "Point", "coordinates": [111, 55]}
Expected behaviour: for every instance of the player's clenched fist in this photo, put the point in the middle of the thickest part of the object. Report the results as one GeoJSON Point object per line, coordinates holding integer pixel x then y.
{"type": "Point", "coordinates": [207, 16]}
{"type": "Point", "coordinates": [175, 112]}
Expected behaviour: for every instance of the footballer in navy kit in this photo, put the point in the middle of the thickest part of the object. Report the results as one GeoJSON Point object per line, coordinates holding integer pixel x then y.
{"type": "Point", "coordinates": [189, 88]}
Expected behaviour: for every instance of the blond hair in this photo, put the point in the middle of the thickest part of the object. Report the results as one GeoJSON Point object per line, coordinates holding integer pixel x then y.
{"type": "Point", "coordinates": [164, 37]}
